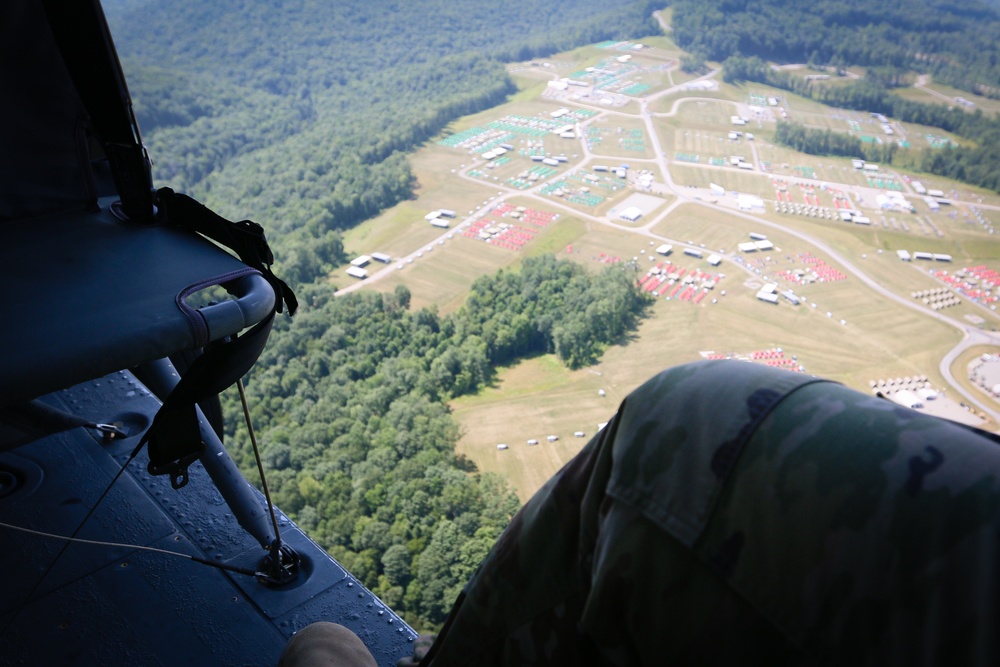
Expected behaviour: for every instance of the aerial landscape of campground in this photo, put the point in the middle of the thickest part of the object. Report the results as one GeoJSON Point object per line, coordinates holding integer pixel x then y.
{"type": "Point", "coordinates": [498, 236]}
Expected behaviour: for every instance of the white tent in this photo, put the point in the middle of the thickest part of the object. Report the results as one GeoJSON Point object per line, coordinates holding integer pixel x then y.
{"type": "Point", "coordinates": [907, 399]}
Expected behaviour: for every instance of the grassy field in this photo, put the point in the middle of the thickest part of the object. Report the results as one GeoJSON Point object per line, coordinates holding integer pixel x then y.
{"type": "Point", "coordinates": [843, 330]}
{"type": "Point", "coordinates": [879, 338]}
{"type": "Point", "coordinates": [602, 245]}
{"type": "Point", "coordinates": [781, 161]}
{"type": "Point", "coordinates": [731, 178]}
{"type": "Point", "coordinates": [442, 277]}
{"type": "Point", "coordinates": [399, 231]}
{"type": "Point", "coordinates": [923, 137]}
{"type": "Point", "coordinates": [964, 241]}
{"type": "Point", "coordinates": [619, 137]}
{"type": "Point", "coordinates": [559, 237]}
{"type": "Point", "coordinates": [678, 76]}
{"type": "Point", "coordinates": [801, 108]}
{"type": "Point", "coordinates": [706, 115]}
{"type": "Point", "coordinates": [537, 391]}
{"type": "Point", "coordinates": [699, 225]}
{"type": "Point", "coordinates": [701, 146]}
{"type": "Point", "coordinates": [821, 120]}
{"type": "Point", "coordinates": [665, 104]}
{"type": "Point", "coordinates": [658, 72]}
{"type": "Point", "coordinates": [540, 391]}
{"type": "Point", "coordinates": [946, 94]}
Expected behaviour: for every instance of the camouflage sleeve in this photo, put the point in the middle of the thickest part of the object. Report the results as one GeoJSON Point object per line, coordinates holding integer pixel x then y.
{"type": "Point", "coordinates": [732, 512]}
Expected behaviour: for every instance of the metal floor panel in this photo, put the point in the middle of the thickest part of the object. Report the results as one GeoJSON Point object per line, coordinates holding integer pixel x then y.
{"type": "Point", "coordinates": [116, 605]}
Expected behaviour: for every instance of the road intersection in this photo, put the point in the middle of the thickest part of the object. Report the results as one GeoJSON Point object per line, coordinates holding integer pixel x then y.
{"type": "Point", "coordinates": [971, 336]}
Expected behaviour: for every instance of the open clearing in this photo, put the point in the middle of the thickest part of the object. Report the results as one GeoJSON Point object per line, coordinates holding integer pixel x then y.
{"type": "Point", "coordinates": [843, 328]}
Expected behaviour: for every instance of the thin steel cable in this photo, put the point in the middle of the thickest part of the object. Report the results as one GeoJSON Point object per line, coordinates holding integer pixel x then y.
{"type": "Point", "coordinates": [69, 541]}
{"type": "Point", "coordinates": [260, 464]}
{"type": "Point", "coordinates": [123, 545]}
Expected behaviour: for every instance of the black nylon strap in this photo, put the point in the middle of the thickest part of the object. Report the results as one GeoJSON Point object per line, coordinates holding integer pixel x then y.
{"type": "Point", "coordinates": [211, 408]}
{"type": "Point", "coordinates": [174, 437]}
{"type": "Point", "coordinates": [245, 238]}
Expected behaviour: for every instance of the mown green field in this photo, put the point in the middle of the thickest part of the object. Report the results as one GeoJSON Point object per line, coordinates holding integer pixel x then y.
{"type": "Point", "coordinates": [731, 178]}
{"type": "Point", "coordinates": [619, 137]}
{"type": "Point", "coordinates": [947, 94]}
{"type": "Point", "coordinates": [844, 329]}
{"type": "Point", "coordinates": [702, 225]}
{"type": "Point", "coordinates": [441, 278]}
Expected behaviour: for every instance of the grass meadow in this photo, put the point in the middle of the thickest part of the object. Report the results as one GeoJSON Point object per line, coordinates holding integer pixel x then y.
{"type": "Point", "coordinates": [843, 329]}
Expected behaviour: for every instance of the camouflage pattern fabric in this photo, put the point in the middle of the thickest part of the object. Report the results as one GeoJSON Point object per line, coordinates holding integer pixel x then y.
{"type": "Point", "coordinates": [736, 514]}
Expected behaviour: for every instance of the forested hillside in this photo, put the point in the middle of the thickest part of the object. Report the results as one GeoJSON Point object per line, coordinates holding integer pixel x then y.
{"type": "Point", "coordinates": [299, 115]}
{"type": "Point", "coordinates": [959, 42]}
{"type": "Point", "coordinates": [978, 164]}
{"type": "Point", "coordinates": [299, 112]}
{"type": "Point", "coordinates": [348, 399]}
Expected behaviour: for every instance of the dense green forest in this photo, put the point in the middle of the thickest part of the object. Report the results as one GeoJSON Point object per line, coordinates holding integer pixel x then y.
{"type": "Point", "coordinates": [302, 111]}
{"type": "Point", "coordinates": [299, 114]}
{"type": "Point", "coordinates": [958, 43]}
{"type": "Point", "coordinates": [348, 399]}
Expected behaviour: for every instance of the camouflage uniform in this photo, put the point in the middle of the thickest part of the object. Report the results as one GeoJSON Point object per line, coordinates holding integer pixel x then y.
{"type": "Point", "coordinates": [734, 513]}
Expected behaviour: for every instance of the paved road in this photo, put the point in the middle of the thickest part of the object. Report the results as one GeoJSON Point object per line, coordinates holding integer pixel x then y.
{"type": "Point", "coordinates": [971, 336]}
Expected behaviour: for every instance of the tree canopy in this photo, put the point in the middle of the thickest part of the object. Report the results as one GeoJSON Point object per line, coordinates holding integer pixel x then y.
{"type": "Point", "coordinates": [958, 43]}
{"type": "Point", "coordinates": [302, 111]}
{"type": "Point", "coordinates": [976, 164]}
{"type": "Point", "coordinates": [348, 400]}
{"type": "Point", "coordinates": [299, 114]}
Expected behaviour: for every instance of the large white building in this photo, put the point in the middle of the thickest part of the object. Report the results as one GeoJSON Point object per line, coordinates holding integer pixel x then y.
{"type": "Point", "coordinates": [907, 399]}
{"type": "Point", "coordinates": [767, 296]}
{"type": "Point", "coordinates": [747, 202]}
{"type": "Point", "coordinates": [632, 213]}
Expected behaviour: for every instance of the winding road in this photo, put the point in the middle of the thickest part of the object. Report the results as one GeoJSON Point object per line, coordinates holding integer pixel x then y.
{"type": "Point", "coordinates": [971, 336]}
